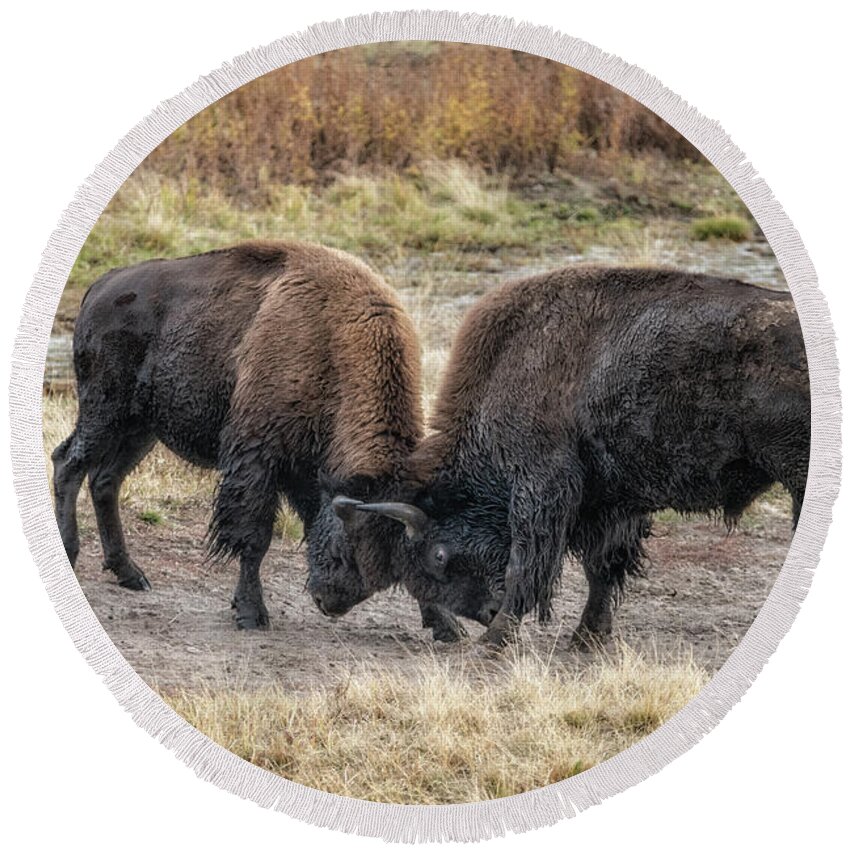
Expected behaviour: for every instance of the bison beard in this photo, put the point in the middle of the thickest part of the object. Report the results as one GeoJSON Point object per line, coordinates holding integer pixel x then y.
{"type": "Point", "coordinates": [577, 403]}
{"type": "Point", "coordinates": [276, 363]}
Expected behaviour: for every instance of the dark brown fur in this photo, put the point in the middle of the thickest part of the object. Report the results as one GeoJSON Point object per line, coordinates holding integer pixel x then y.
{"type": "Point", "coordinates": [577, 403]}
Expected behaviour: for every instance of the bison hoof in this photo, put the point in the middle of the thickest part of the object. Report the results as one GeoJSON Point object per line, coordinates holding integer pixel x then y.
{"type": "Point", "coordinates": [448, 632]}
{"type": "Point", "coordinates": [130, 577]}
{"type": "Point", "coordinates": [445, 627]}
{"type": "Point", "coordinates": [251, 617]}
{"type": "Point", "coordinates": [249, 623]}
{"type": "Point", "coordinates": [585, 640]}
{"type": "Point", "coordinates": [138, 582]}
{"type": "Point", "coordinates": [501, 631]}
{"type": "Point", "coordinates": [494, 639]}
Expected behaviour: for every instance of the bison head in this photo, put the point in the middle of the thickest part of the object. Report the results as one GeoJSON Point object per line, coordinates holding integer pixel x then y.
{"type": "Point", "coordinates": [345, 566]}
{"type": "Point", "coordinates": [357, 548]}
{"type": "Point", "coordinates": [453, 556]}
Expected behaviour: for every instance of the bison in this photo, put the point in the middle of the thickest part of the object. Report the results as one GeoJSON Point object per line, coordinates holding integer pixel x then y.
{"type": "Point", "coordinates": [285, 366]}
{"type": "Point", "coordinates": [574, 405]}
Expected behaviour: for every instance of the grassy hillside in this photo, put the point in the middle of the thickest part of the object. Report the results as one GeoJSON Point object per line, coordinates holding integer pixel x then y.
{"type": "Point", "coordinates": [444, 215]}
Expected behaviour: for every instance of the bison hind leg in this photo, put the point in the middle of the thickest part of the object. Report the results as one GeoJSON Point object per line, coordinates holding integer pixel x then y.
{"type": "Point", "coordinates": [105, 480]}
{"type": "Point", "coordinates": [69, 469]}
{"type": "Point", "coordinates": [610, 551]}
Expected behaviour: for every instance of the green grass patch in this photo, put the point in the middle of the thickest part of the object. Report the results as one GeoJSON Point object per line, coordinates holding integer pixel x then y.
{"type": "Point", "coordinates": [151, 517]}
{"type": "Point", "coordinates": [773, 502]}
{"type": "Point", "coordinates": [684, 207]}
{"type": "Point", "coordinates": [428, 227]}
{"type": "Point", "coordinates": [721, 227]}
{"type": "Point", "coordinates": [445, 207]}
{"type": "Point", "coordinates": [588, 215]}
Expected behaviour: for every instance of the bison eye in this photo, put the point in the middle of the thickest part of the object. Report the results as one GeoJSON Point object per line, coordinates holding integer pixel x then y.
{"type": "Point", "coordinates": [439, 558]}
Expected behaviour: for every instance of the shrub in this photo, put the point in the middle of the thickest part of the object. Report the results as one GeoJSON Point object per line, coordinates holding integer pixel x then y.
{"type": "Point", "coordinates": [721, 227]}
{"type": "Point", "coordinates": [397, 106]}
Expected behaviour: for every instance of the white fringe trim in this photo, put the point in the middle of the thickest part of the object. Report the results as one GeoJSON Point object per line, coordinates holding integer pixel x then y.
{"type": "Point", "coordinates": [471, 821]}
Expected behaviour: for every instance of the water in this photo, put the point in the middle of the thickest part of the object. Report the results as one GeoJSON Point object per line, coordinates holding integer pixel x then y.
{"type": "Point", "coordinates": [59, 369]}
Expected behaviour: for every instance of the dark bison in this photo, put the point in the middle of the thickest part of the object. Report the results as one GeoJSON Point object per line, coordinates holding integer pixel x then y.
{"type": "Point", "coordinates": [282, 365]}
{"type": "Point", "coordinates": [574, 405]}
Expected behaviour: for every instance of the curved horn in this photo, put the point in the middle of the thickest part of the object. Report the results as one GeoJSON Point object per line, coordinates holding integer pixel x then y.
{"type": "Point", "coordinates": [414, 519]}
{"type": "Point", "coordinates": [344, 507]}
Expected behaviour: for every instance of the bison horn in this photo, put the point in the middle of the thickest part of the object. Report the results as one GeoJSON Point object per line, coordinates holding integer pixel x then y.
{"type": "Point", "coordinates": [344, 507]}
{"type": "Point", "coordinates": [414, 519]}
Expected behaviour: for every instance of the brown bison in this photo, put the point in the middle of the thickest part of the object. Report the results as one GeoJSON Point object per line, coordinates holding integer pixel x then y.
{"type": "Point", "coordinates": [282, 365]}
{"type": "Point", "coordinates": [577, 403]}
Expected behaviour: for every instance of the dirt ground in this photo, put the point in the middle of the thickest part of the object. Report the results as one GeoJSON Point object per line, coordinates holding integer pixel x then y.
{"type": "Point", "coordinates": [701, 593]}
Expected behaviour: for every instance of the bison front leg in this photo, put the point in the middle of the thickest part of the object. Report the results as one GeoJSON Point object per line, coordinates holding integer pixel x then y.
{"type": "Point", "coordinates": [444, 625]}
{"type": "Point", "coordinates": [248, 604]}
{"type": "Point", "coordinates": [542, 514]}
{"type": "Point", "coordinates": [242, 524]}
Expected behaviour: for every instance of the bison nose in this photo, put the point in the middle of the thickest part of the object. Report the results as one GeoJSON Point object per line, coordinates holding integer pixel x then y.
{"type": "Point", "coordinates": [332, 604]}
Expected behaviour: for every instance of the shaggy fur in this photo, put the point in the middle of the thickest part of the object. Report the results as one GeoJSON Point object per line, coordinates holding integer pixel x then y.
{"type": "Point", "coordinates": [577, 403]}
{"type": "Point", "coordinates": [279, 364]}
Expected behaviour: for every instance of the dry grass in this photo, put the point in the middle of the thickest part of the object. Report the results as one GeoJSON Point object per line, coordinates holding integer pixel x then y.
{"type": "Point", "coordinates": [444, 207]}
{"type": "Point", "coordinates": [454, 732]}
{"type": "Point", "coordinates": [395, 105]}
{"type": "Point", "coordinates": [452, 218]}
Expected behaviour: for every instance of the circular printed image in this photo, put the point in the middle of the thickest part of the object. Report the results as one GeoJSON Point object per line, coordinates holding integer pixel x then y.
{"type": "Point", "coordinates": [426, 422]}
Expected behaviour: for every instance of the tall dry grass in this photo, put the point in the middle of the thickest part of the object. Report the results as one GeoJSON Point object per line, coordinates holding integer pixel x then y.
{"type": "Point", "coordinates": [454, 732]}
{"type": "Point", "coordinates": [452, 218]}
{"type": "Point", "coordinates": [399, 104]}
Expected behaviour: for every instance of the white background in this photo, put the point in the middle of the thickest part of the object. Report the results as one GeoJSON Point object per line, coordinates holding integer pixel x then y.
{"type": "Point", "coordinates": [77, 76]}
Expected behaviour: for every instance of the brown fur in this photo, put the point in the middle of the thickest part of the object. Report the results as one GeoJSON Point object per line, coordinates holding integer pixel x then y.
{"type": "Point", "coordinates": [331, 360]}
